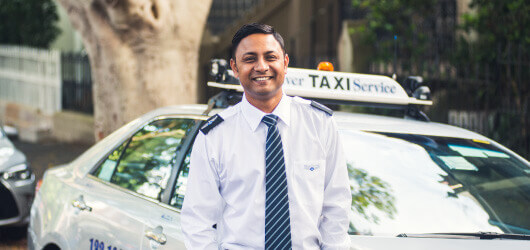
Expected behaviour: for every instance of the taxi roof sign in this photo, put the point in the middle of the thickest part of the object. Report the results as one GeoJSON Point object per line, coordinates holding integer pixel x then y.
{"type": "Point", "coordinates": [340, 86]}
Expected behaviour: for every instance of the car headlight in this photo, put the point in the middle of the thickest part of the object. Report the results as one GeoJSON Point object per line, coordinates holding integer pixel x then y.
{"type": "Point", "coordinates": [17, 172]}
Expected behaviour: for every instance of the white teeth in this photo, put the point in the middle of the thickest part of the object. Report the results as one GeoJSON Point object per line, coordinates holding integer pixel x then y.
{"type": "Point", "coordinates": [261, 78]}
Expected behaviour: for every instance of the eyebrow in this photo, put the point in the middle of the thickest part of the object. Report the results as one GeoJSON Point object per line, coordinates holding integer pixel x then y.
{"type": "Point", "coordinates": [254, 53]}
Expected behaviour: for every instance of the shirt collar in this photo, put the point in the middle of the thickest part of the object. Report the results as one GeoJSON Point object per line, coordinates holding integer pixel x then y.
{"type": "Point", "coordinates": [253, 115]}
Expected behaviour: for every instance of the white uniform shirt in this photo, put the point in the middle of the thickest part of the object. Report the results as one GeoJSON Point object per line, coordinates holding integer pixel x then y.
{"type": "Point", "coordinates": [226, 182]}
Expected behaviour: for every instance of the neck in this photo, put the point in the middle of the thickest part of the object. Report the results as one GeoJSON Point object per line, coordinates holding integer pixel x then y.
{"type": "Point", "coordinates": [266, 105]}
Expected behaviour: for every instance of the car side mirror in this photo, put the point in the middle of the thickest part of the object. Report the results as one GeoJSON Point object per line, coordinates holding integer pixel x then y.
{"type": "Point", "coordinates": [11, 132]}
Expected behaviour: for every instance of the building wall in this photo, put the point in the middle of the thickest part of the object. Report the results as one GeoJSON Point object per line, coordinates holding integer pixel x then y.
{"type": "Point", "coordinates": [310, 28]}
{"type": "Point", "coordinates": [69, 40]}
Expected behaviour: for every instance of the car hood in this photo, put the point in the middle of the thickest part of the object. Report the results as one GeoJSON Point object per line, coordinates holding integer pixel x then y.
{"type": "Point", "coordinates": [9, 155]}
{"type": "Point", "coordinates": [359, 242]}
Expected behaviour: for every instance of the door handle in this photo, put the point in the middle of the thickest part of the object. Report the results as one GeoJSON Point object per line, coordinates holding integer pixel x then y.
{"type": "Point", "coordinates": [80, 204]}
{"type": "Point", "coordinates": [156, 235]}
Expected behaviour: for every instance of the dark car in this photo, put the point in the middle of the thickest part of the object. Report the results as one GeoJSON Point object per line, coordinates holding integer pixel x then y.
{"type": "Point", "coordinates": [17, 184]}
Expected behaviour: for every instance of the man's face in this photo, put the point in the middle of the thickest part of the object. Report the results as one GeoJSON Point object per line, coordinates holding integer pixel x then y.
{"type": "Point", "coordinates": [260, 65]}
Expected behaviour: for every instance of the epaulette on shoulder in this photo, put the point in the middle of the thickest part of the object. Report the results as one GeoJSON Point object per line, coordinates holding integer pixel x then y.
{"type": "Point", "coordinates": [321, 107]}
{"type": "Point", "coordinates": [211, 123]}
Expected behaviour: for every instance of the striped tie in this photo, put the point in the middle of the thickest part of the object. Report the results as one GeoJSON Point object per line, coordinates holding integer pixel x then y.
{"type": "Point", "coordinates": [277, 224]}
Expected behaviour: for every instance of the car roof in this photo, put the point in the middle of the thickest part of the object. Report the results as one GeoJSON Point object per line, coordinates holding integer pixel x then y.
{"type": "Point", "coordinates": [350, 121]}
{"type": "Point", "coordinates": [380, 123]}
{"type": "Point", "coordinates": [346, 121]}
{"type": "Point", "coordinates": [190, 109]}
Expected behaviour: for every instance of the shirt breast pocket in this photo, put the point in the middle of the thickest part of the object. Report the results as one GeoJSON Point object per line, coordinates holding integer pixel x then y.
{"type": "Point", "coordinates": [309, 178]}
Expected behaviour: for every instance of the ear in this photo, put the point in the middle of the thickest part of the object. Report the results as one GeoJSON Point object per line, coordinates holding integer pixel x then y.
{"type": "Point", "coordinates": [286, 61]}
{"type": "Point", "coordinates": [234, 67]}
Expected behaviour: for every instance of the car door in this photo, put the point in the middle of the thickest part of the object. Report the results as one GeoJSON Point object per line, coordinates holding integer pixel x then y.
{"type": "Point", "coordinates": [163, 230]}
{"type": "Point", "coordinates": [128, 185]}
{"type": "Point", "coordinates": [107, 217]}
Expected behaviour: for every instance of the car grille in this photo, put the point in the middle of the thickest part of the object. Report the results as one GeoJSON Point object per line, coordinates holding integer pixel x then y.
{"type": "Point", "coordinates": [8, 209]}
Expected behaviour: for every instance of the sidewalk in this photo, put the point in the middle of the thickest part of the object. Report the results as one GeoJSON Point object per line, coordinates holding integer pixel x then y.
{"type": "Point", "coordinates": [46, 155]}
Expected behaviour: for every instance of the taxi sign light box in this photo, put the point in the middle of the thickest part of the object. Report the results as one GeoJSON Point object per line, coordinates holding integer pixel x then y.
{"type": "Point", "coordinates": [340, 86]}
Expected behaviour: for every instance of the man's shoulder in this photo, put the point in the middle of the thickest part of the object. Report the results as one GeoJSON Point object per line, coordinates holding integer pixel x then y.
{"type": "Point", "coordinates": [211, 123]}
{"type": "Point", "coordinates": [312, 106]}
{"type": "Point", "coordinates": [219, 119]}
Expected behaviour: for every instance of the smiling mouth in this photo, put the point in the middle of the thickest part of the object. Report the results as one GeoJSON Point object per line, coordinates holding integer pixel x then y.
{"type": "Point", "coordinates": [262, 78]}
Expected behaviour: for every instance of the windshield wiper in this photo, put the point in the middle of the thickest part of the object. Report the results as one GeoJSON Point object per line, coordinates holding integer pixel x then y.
{"type": "Point", "coordinates": [480, 235]}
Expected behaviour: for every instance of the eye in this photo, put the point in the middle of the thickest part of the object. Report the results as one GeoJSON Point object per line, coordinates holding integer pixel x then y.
{"type": "Point", "coordinates": [248, 59]}
{"type": "Point", "coordinates": [271, 57]}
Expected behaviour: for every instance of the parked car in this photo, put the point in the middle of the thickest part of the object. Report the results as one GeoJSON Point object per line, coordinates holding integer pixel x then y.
{"type": "Point", "coordinates": [17, 184]}
{"type": "Point", "coordinates": [415, 184]}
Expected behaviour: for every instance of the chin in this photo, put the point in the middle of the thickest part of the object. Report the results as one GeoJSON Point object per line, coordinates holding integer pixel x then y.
{"type": "Point", "coordinates": [265, 95]}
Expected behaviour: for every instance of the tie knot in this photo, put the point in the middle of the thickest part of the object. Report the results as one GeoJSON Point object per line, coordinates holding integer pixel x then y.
{"type": "Point", "coordinates": [270, 120]}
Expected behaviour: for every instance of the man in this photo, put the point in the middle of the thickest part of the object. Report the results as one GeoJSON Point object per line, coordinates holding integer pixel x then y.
{"type": "Point", "coordinates": [269, 172]}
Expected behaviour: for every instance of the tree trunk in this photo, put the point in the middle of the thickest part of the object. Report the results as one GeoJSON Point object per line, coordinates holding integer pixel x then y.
{"type": "Point", "coordinates": [143, 54]}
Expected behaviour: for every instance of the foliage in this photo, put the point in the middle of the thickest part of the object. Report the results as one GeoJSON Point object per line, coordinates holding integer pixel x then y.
{"type": "Point", "coordinates": [502, 30]}
{"type": "Point", "coordinates": [499, 41]}
{"type": "Point", "coordinates": [482, 63]}
{"type": "Point", "coordinates": [498, 23]}
{"type": "Point", "coordinates": [146, 162]}
{"type": "Point", "coordinates": [28, 22]}
{"type": "Point", "coordinates": [391, 21]}
{"type": "Point", "coordinates": [370, 192]}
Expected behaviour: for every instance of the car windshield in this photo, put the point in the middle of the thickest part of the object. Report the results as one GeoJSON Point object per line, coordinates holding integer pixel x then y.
{"type": "Point", "coordinates": [403, 183]}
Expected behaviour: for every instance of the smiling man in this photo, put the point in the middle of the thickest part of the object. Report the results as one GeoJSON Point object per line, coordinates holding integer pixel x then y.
{"type": "Point", "coordinates": [269, 172]}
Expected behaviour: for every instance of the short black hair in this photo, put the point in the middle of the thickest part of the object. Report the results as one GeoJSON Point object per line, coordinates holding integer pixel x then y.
{"type": "Point", "coordinates": [254, 28]}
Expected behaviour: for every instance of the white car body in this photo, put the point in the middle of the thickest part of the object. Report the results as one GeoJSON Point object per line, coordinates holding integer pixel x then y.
{"type": "Point", "coordinates": [416, 179]}
{"type": "Point", "coordinates": [122, 218]}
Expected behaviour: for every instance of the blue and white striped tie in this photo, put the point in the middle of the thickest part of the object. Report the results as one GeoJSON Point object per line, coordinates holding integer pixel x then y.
{"type": "Point", "coordinates": [277, 218]}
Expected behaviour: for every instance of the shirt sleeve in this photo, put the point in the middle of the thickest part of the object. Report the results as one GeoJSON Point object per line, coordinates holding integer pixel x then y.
{"type": "Point", "coordinates": [202, 202]}
{"type": "Point", "coordinates": [334, 222]}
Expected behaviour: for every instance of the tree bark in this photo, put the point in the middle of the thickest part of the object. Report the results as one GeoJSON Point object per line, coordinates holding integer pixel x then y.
{"type": "Point", "coordinates": [143, 54]}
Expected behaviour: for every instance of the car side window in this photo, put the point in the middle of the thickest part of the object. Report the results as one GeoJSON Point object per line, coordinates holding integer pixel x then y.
{"type": "Point", "coordinates": [106, 169]}
{"type": "Point", "coordinates": [180, 186]}
{"type": "Point", "coordinates": [143, 163]}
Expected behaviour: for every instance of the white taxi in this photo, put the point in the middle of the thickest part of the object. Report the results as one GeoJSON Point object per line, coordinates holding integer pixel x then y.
{"type": "Point", "coordinates": [415, 184]}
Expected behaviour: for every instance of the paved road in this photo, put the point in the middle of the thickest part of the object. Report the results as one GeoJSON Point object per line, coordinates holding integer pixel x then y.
{"type": "Point", "coordinates": [41, 157]}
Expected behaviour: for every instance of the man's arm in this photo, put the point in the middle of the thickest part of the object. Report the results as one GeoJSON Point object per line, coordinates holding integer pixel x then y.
{"type": "Point", "coordinates": [334, 221]}
{"type": "Point", "coordinates": [202, 202]}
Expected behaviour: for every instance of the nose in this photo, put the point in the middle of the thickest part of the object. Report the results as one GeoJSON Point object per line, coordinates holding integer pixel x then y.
{"type": "Point", "coordinates": [261, 65]}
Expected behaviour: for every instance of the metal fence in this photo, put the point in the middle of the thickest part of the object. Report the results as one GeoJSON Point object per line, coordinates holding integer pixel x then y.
{"type": "Point", "coordinates": [45, 79]}
{"type": "Point", "coordinates": [492, 98]}
{"type": "Point", "coordinates": [77, 83]}
{"type": "Point", "coordinates": [31, 77]}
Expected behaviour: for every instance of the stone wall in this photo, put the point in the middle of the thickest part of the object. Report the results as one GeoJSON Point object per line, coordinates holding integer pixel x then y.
{"type": "Point", "coordinates": [71, 126]}
{"type": "Point", "coordinates": [36, 127]}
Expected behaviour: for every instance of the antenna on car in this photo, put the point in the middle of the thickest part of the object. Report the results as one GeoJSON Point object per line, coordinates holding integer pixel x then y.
{"type": "Point", "coordinates": [221, 74]}
{"type": "Point", "coordinates": [395, 58]}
